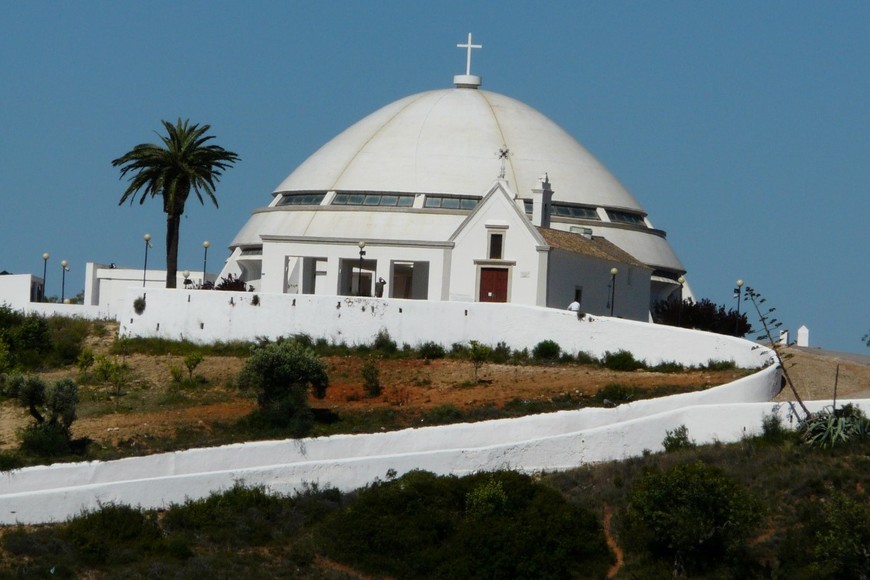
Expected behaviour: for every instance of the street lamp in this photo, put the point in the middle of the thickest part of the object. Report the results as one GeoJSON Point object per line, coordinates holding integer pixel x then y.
{"type": "Point", "coordinates": [186, 275]}
{"type": "Point", "coordinates": [44, 272]}
{"type": "Point", "coordinates": [147, 238]}
{"type": "Point", "coordinates": [205, 246]}
{"type": "Point", "coordinates": [682, 281]}
{"type": "Point", "coordinates": [362, 253]}
{"type": "Point", "coordinates": [737, 320]}
{"type": "Point", "coordinates": [613, 272]}
{"type": "Point", "coordinates": [64, 270]}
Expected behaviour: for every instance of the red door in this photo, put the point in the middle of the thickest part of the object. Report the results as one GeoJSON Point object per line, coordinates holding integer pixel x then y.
{"type": "Point", "coordinates": [493, 285]}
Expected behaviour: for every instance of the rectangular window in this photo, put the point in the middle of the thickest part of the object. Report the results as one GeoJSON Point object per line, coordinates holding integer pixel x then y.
{"type": "Point", "coordinates": [496, 241]}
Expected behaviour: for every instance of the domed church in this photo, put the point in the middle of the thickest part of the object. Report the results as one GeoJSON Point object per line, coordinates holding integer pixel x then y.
{"type": "Point", "coordinates": [458, 194]}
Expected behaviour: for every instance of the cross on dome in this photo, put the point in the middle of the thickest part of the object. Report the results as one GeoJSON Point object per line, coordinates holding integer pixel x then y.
{"type": "Point", "coordinates": [503, 154]}
{"type": "Point", "coordinates": [468, 46]}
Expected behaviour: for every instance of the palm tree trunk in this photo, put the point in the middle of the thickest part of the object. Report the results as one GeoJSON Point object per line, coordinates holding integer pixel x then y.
{"type": "Point", "coordinates": [173, 223]}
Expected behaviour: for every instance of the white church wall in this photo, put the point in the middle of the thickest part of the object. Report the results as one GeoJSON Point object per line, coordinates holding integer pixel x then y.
{"type": "Point", "coordinates": [344, 253]}
{"type": "Point", "coordinates": [553, 441]}
{"type": "Point", "coordinates": [208, 316]}
{"type": "Point", "coordinates": [498, 215]}
{"type": "Point", "coordinates": [569, 271]}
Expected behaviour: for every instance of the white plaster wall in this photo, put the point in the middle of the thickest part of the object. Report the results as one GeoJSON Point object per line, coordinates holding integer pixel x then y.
{"type": "Point", "coordinates": [569, 270]}
{"type": "Point", "coordinates": [15, 289]}
{"type": "Point", "coordinates": [209, 316]}
{"type": "Point", "coordinates": [472, 244]}
{"type": "Point", "coordinates": [542, 442]}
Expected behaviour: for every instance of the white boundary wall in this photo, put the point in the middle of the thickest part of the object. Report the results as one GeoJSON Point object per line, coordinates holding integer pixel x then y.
{"type": "Point", "coordinates": [209, 316]}
{"type": "Point", "coordinates": [552, 441]}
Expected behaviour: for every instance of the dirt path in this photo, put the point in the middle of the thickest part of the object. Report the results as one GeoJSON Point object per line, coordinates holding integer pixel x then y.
{"type": "Point", "coordinates": [612, 543]}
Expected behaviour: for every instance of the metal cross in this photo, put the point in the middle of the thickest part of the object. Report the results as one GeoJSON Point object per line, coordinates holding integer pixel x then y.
{"type": "Point", "coordinates": [468, 46]}
{"type": "Point", "coordinates": [503, 154]}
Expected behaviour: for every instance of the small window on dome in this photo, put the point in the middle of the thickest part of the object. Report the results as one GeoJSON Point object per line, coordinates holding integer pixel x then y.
{"type": "Point", "coordinates": [389, 200]}
{"type": "Point", "coordinates": [372, 200]}
{"type": "Point", "coordinates": [340, 199]}
{"type": "Point", "coordinates": [355, 199]}
{"type": "Point", "coordinates": [433, 201]}
{"type": "Point", "coordinates": [406, 201]}
{"type": "Point", "coordinates": [450, 203]}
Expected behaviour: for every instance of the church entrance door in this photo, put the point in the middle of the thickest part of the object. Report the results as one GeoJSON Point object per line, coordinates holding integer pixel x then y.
{"type": "Point", "coordinates": [493, 285]}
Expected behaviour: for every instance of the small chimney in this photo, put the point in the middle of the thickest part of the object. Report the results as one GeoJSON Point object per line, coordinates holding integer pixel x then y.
{"type": "Point", "coordinates": [542, 202]}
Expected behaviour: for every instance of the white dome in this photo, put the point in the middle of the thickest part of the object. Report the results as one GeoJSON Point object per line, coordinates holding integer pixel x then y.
{"type": "Point", "coordinates": [447, 141]}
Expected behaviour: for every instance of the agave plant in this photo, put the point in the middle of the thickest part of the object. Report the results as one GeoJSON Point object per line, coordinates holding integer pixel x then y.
{"type": "Point", "coordinates": [833, 426]}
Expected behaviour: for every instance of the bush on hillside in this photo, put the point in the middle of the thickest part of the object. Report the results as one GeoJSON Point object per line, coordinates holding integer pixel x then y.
{"type": "Point", "coordinates": [546, 350]}
{"type": "Point", "coordinates": [621, 360]}
{"type": "Point", "coordinates": [701, 315]}
{"type": "Point", "coordinates": [693, 516]}
{"type": "Point", "coordinates": [282, 373]}
{"type": "Point", "coordinates": [486, 525]}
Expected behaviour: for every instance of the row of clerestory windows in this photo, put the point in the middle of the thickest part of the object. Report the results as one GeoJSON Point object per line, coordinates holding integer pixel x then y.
{"type": "Point", "coordinates": [434, 201]}
{"type": "Point", "coordinates": [374, 199]}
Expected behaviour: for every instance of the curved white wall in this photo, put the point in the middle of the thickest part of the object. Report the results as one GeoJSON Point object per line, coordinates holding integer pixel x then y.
{"type": "Point", "coordinates": [209, 316]}
{"type": "Point", "coordinates": [542, 442]}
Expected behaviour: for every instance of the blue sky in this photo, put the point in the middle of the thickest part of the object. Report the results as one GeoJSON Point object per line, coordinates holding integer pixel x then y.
{"type": "Point", "coordinates": [743, 128]}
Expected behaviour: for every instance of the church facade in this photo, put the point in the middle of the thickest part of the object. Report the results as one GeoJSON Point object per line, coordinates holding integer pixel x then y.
{"type": "Point", "coordinates": [458, 194]}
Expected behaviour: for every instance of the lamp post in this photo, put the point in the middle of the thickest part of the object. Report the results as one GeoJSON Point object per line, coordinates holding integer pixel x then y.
{"type": "Point", "coordinates": [147, 238]}
{"type": "Point", "coordinates": [737, 320]}
{"type": "Point", "coordinates": [362, 252]}
{"type": "Point", "coordinates": [613, 272]}
{"type": "Point", "coordinates": [682, 281]}
{"type": "Point", "coordinates": [64, 269]}
{"type": "Point", "coordinates": [44, 272]}
{"type": "Point", "coordinates": [205, 246]}
{"type": "Point", "coordinates": [186, 275]}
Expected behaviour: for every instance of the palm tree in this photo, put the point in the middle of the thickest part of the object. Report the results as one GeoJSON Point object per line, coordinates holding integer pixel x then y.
{"type": "Point", "coordinates": [183, 163]}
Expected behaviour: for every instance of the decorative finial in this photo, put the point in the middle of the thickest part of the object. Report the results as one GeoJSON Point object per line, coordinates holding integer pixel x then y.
{"type": "Point", "coordinates": [503, 154]}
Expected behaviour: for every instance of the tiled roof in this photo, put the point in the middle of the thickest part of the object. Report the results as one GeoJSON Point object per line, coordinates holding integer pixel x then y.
{"type": "Point", "coordinates": [594, 246]}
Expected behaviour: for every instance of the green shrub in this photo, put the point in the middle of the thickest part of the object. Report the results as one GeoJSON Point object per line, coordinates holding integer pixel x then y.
{"type": "Point", "coordinates": [85, 361]}
{"type": "Point", "coordinates": [139, 305]}
{"type": "Point", "coordinates": [584, 358]}
{"type": "Point", "coordinates": [281, 374]}
{"type": "Point", "coordinates": [621, 360]}
{"type": "Point", "coordinates": [45, 440]}
{"type": "Point", "coordinates": [191, 361]}
{"type": "Point", "coordinates": [691, 515]}
{"type": "Point", "coordinates": [478, 354]}
{"type": "Point", "coordinates": [371, 376]}
{"type": "Point", "coordinates": [668, 367]}
{"type": "Point", "coordinates": [546, 350]}
{"type": "Point", "coordinates": [444, 414]}
{"type": "Point", "coordinates": [677, 440]}
{"type": "Point", "coordinates": [487, 525]}
{"type": "Point", "coordinates": [384, 343]}
{"type": "Point", "coordinates": [239, 516]}
{"type": "Point", "coordinates": [485, 500]}
{"type": "Point", "coordinates": [501, 353]}
{"type": "Point", "coordinates": [112, 373]}
{"type": "Point", "coordinates": [112, 534]}
{"type": "Point", "coordinates": [842, 540]}
{"type": "Point", "coordinates": [772, 429]}
{"type": "Point", "coordinates": [614, 394]}
{"type": "Point", "coordinates": [66, 336]}
{"type": "Point", "coordinates": [720, 365]}
{"type": "Point", "coordinates": [431, 351]}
